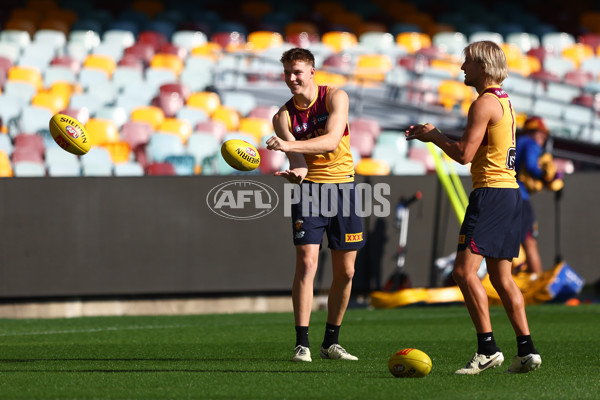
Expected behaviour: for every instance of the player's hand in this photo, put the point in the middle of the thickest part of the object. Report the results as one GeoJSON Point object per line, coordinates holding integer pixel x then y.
{"type": "Point", "coordinates": [295, 175]}
{"type": "Point", "coordinates": [276, 143]}
{"type": "Point", "coordinates": [425, 132]}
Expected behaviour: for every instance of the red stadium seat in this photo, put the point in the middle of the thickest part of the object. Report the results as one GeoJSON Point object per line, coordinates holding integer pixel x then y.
{"type": "Point", "coordinates": [270, 161]}
{"type": "Point", "coordinates": [27, 154]}
{"type": "Point", "coordinates": [266, 112]}
{"type": "Point", "coordinates": [161, 169]}
{"type": "Point", "coordinates": [230, 41]}
{"type": "Point", "coordinates": [30, 142]}
{"type": "Point", "coordinates": [136, 133]}
{"type": "Point", "coordinates": [154, 39]}
{"type": "Point", "coordinates": [578, 77]}
{"type": "Point", "coordinates": [140, 51]}
{"type": "Point", "coordinates": [365, 125]}
{"type": "Point", "coordinates": [214, 128]}
{"type": "Point", "coordinates": [67, 61]}
{"type": "Point", "coordinates": [364, 144]}
{"type": "Point", "coordinates": [169, 48]}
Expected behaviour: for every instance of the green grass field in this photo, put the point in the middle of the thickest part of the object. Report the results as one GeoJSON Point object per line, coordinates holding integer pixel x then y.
{"type": "Point", "coordinates": [247, 356]}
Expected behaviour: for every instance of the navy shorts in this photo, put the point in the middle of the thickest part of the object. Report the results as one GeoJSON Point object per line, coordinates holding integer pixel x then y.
{"type": "Point", "coordinates": [327, 208]}
{"type": "Point", "coordinates": [492, 224]}
{"type": "Point", "coordinates": [529, 225]}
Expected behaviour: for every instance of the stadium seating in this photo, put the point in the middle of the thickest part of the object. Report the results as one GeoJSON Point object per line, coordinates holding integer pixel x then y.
{"type": "Point", "coordinates": [178, 127]}
{"type": "Point", "coordinates": [161, 169]}
{"type": "Point", "coordinates": [153, 64]}
{"type": "Point", "coordinates": [28, 169]}
{"type": "Point", "coordinates": [229, 116]}
{"type": "Point", "coordinates": [102, 131]}
{"type": "Point", "coordinates": [97, 162]}
{"type": "Point", "coordinates": [6, 170]}
{"type": "Point", "coordinates": [183, 164]}
{"type": "Point", "coordinates": [130, 168]}
{"type": "Point", "coordinates": [162, 145]}
{"type": "Point", "coordinates": [257, 127]}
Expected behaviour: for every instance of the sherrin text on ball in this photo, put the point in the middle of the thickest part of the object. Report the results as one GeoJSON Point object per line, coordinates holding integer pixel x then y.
{"type": "Point", "coordinates": [69, 134]}
{"type": "Point", "coordinates": [240, 155]}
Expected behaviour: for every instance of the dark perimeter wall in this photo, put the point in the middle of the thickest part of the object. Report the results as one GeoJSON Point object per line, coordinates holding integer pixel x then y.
{"type": "Point", "coordinates": [157, 236]}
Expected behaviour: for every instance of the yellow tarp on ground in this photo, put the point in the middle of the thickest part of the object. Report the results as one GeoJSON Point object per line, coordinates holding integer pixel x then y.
{"type": "Point", "coordinates": [407, 297]}
{"type": "Point", "coordinates": [540, 290]}
{"type": "Point", "coordinates": [556, 283]}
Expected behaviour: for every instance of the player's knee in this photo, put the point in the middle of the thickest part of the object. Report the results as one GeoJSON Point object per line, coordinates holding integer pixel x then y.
{"type": "Point", "coordinates": [345, 274]}
{"type": "Point", "coordinates": [459, 275]}
{"type": "Point", "coordinates": [306, 265]}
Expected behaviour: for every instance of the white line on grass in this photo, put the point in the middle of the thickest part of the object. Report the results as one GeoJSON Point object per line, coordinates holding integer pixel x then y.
{"type": "Point", "coordinates": [94, 330]}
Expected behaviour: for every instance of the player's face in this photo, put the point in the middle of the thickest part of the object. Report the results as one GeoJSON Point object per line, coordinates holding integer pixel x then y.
{"type": "Point", "coordinates": [472, 69]}
{"type": "Point", "coordinates": [298, 75]}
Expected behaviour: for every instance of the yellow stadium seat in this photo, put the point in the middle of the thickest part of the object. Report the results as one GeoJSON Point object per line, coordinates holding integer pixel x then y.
{"type": "Point", "coordinates": [209, 49]}
{"type": "Point", "coordinates": [535, 64]}
{"type": "Point", "coordinates": [151, 114]}
{"type": "Point", "coordinates": [52, 101]}
{"type": "Point", "coordinates": [339, 40]}
{"type": "Point", "coordinates": [511, 51]}
{"type": "Point", "coordinates": [262, 40]}
{"type": "Point", "coordinates": [119, 151]}
{"type": "Point", "coordinates": [578, 52]}
{"type": "Point", "coordinates": [524, 65]}
{"type": "Point", "coordinates": [179, 127]}
{"type": "Point", "coordinates": [454, 93]}
{"type": "Point", "coordinates": [6, 170]}
{"type": "Point", "coordinates": [372, 67]}
{"type": "Point", "coordinates": [413, 41]}
{"type": "Point", "coordinates": [102, 131]}
{"type": "Point", "coordinates": [167, 61]}
{"type": "Point", "coordinates": [257, 127]}
{"type": "Point", "coordinates": [65, 90]}
{"type": "Point", "coordinates": [206, 101]}
{"type": "Point", "coordinates": [229, 116]}
{"type": "Point", "coordinates": [370, 166]}
{"type": "Point", "coordinates": [449, 64]}
{"type": "Point", "coordinates": [328, 78]}
{"type": "Point", "coordinates": [26, 74]}
{"type": "Point", "coordinates": [101, 62]}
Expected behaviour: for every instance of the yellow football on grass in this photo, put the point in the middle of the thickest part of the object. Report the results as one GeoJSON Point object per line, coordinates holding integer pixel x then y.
{"type": "Point", "coordinates": [409, 363]}
{"type": "Point", "coordinates": [69, 134]}
{"type": "Point", "coordinates": [240, 154]}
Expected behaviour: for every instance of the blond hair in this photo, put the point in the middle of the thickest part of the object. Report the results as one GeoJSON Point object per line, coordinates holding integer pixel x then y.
{"type": "Point", "coordinates": [491, 57]}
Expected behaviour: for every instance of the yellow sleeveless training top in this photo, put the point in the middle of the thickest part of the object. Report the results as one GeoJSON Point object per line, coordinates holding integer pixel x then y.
{"type": "Point", "coordinates": [494, 162]}
{"type": "Point", "coordinates": [305, 123]}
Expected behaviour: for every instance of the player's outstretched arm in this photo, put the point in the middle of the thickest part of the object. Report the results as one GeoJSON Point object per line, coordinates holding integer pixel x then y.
{"type": "Point", "coordinates": [482, 111]}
